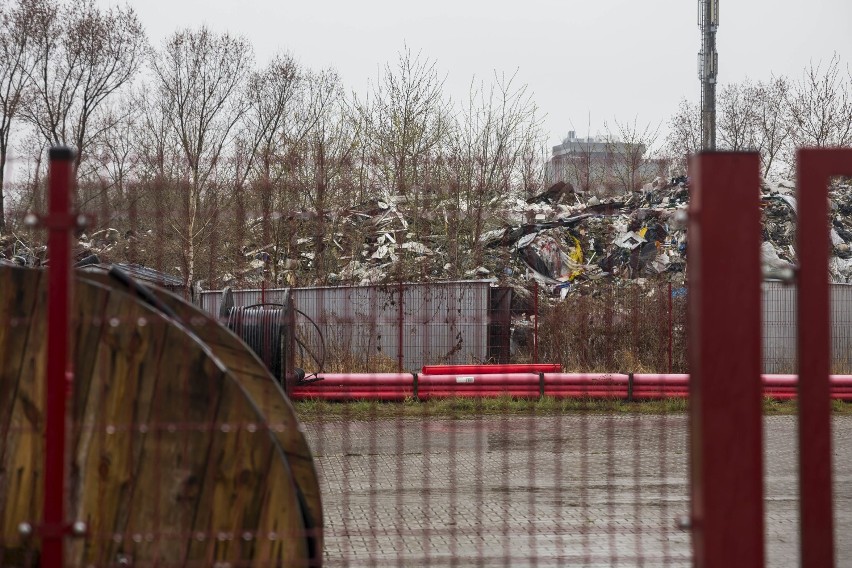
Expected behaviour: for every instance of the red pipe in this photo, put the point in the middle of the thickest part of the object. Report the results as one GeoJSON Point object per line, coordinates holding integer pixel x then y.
{"type": "Point", "coordinates": [475, 381]}
{"type": "Point", "coordinates": [378, 377]}
{"type": "Point", "coordinates": [331, 380]}
{"type": "Point", "coordinates": [550, 378]}
{"type": "Point", "coordinates": [361, 384]}
{"type": "Point", "coordinates": [491, 369]}
{"type": "Point", "coordinates": [399, 386]}
{"type": "Point", "coordinates": [585, 378]}
{"type": "Point", "coordinates": [661, 378]}
{"type": "Point", "coordinates": [60, 372]}
{"type": "Point", "coordinates": [300, 393]}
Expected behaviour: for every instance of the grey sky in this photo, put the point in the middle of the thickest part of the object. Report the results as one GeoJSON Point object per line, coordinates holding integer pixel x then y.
{"type": "Point", "coordinates": [602, 59]}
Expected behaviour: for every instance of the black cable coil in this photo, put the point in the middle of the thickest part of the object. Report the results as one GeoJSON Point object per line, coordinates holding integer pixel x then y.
{"type": "Point", "coordinates": [262, 329]}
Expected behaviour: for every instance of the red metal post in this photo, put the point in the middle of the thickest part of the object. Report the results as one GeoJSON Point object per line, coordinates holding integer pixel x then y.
{"type": "Point", "coordinates": [535, 324]}
{"type": "Point", "coordinates": [60, 222]}
{"type": "Point", "coordinates": [401, 353]}
{"type": "Point", "coordinates": [815, 167]}
{"type": "Point", "coordinates": [725, 359]}
{"type": "Point", "coordinates": [671, 326]}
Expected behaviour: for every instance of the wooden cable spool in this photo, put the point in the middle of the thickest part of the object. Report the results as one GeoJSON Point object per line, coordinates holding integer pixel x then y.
{"type": "Point", "coordinates": [183, 450]}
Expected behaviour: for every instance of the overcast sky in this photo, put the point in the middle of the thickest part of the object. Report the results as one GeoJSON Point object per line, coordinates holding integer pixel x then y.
{"type": "Point", "coordinates": [590, 60]}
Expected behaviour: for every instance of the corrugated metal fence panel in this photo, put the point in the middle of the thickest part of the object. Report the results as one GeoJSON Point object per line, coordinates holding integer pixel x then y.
{"type": "Point", "coordinates": [779, 328]}
{"type": "Point", "coordinates": [446, 324]}
{"type": "Point", "coordinates": [841, 328]}
{"type": "Point", "coordinates": [355, 322]}
{"type": "Point", "coordinates": [439, 322]}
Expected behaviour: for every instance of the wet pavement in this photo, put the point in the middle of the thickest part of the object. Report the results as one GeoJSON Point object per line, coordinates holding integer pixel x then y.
{"type": "Point", "coordinates": [579, 490]}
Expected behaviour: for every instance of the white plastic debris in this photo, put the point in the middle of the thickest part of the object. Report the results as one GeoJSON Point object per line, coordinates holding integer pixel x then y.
{"type": "Point", "coordinates": [526, 240]}
{"type": "Point", "coordinates": [415, 247]}
{"type": "Point", "coordinates": [629, 240]}
{"type": "Point", "coordinates": [381, 252]}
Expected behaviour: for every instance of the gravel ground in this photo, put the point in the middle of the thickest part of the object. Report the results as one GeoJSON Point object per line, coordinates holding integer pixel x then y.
{"type": "Point", "coordinates": [579, 490]}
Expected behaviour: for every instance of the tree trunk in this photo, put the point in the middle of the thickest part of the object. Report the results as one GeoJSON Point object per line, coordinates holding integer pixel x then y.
{"type": "Point", "coordinates": [190, 236]}
{"type": "Point", "coordinates": [2, 193]}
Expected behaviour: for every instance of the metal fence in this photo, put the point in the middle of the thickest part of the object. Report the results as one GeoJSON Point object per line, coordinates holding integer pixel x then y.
{"type": "Point", "coordinates": [392, 327]}
{"type": "Point", "coordinates": [195, 452]}
{"type": "Point", "coordinates": [779, 328]}
{"type": "Point", "coordinates": [625, 328]}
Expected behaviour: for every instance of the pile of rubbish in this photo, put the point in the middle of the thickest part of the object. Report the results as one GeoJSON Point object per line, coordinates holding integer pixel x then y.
{"type": "Point", "coordinates": [779, 229]}
{"type": "Point", "coordinates": [16, 250]}
{"type": "Point", "coordinates": [106, 243]}
{"type": "Point", "coordinates": [564, 239]}
{"type": "Point", "coordinates": [558, 238]}
{"type": "Point", "coordinates": [567, 241]}
{"type": "Point", "coordinates": [562, 244]}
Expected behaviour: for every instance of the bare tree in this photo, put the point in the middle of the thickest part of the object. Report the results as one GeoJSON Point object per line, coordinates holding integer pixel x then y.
{"type": "Point", "coordinates": [113, 156]}
{"type": "Point", "coordinates": [83, 56]}
{"type": "Point", "coordinates": [579, 161]}
{"type": "Point", "coordinates": [327, 152]}
{"type": "Point", "coordinates": [497, 125]}
{"type": "Point", "coordinates": [772, 125]}
{"type": "Point", "coordinates": [16, 65]}
{"type": "Point", "coordinates": [407, 119]}
{"type": "Point", "coordinates": [820, 104]}
{"type": "Point", "coordinates": [531, 166]}
{"type": "Point", "coordinates": [630, 147]}
{"type": "Point", "coordinates": [271, 98]}
{"type": "Point", "coordinates": [288, 104]}
{"type": "Point", "coordinates": [198, 77]}
{"type": "Point", "coordinates": [582, 169]}
{"type": "Point", "coordinates": [751, 116]}
{"type": "Point", "coordinates": [684, 137]}
{"type": "Point", "coordinates": [736, 115]}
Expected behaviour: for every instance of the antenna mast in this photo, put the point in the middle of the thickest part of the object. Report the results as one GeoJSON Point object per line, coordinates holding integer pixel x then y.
{"type": "Point", "coordinates": [708, 60]}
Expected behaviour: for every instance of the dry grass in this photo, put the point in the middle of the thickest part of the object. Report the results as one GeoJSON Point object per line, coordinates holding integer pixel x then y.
{"type": "Point", "coordinates": [631, 329]}
{"type": "Point", "coordinates": [458, 408]}
{"type": "Point", "coordinates": [465, 408]}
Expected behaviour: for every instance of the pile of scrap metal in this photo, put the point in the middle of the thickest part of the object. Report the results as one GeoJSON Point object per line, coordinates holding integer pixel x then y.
{"type": "Point", "coordinates": [642, 234]}
{"type": "Point", "coordinates": [779, 229]}
{"type": "Point", "coordinates": [562, 238]}
{"type": "Point", "coordinates": [16, 251]}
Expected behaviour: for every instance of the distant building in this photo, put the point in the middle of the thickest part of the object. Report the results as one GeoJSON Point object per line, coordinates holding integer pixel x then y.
{"type": "Point", "coordinates": [600, 166]}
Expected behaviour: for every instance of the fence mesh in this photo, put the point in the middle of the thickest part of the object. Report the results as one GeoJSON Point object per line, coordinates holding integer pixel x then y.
{"type": "Point", "coordinates": [476, 481]}
{"type": "Point", "coordinates": [193, 456]}
{"type": "Point", "coordinates": [517, 481]}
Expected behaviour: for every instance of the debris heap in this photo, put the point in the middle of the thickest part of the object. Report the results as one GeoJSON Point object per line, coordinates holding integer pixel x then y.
{"type": "Point", "coordinates": [562, 238]}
